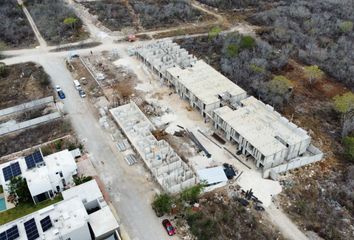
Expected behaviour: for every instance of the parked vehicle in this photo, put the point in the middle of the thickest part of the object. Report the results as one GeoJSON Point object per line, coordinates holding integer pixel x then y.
{"type": "Point", "coordinates": [82, 93]}
{"type": "Point", "coordinates": [60, 92]}
{"type": "Point", "coordinates": [169, 228]}
{"type": "Point", "coordinates": [77, 85]}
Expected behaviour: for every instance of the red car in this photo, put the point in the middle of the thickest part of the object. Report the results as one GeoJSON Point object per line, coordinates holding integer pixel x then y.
{"type": "Point", "coordinates": [169, 228]}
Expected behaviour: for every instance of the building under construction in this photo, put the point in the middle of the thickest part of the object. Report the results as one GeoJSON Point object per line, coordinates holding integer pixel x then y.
{"type": "Point", "coordinates": [166, 166]}
{"type": "Point", "coordinates": [256, 129]}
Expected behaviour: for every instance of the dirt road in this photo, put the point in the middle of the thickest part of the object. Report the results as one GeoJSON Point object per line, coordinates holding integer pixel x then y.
{"type": "Point", "coordinates": [129, 191]}
{"type": "Point", "coordinates": [39, 37]}
{"type": "Point", "coordinates": [285, 225]}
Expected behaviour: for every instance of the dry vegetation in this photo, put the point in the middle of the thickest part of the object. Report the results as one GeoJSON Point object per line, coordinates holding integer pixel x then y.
{"type": "Point", "coordinates": [15, 30]}
{"type": "Point", "coordinates": [33, 136]}
{"type": "Point", "coordinates": [50, 17]}
{"type": "Point", "coordinates": [163, 13]}
{"type": "Point", "coordinates": [316, 32]}
{"type": "Point", "coordinates": [224, 219]}
{"type": "Point", "coordinates": [22, 83]}
{"type": "Point", "coordinates": [68, 142]}
{"type": "Point", "coordinates": [147, 14]}
{"type": "Point", "coordinates": [215, 215]}
{"type": "Point", "coordinates": [112, 13]}
{"type": "Point", "coordinates": [311, 198]}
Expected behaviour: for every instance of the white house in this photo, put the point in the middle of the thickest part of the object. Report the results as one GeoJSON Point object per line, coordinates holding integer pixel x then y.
{"type": "Point", "coordinates": [45, 176]}
{"type": "Point", "coordinates": [69, 219]}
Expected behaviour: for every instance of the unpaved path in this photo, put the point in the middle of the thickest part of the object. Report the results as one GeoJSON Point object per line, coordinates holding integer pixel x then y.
{"type": "Point", "coordinates": [41, 41]}
{"type": "Point", "coordinates": [284, 224]}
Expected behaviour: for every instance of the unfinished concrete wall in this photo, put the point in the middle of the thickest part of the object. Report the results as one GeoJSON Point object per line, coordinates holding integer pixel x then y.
{"type": "Point", "coordinates": [26, 106]}
{"type": "Point", "coordinates": [257, 128]}
{"type": "Point", "coordinates": [165, 165]}
{"type": "Point", "coordinates": [312, 155]}
{"type": "Point", "coordinates": [29, 123]}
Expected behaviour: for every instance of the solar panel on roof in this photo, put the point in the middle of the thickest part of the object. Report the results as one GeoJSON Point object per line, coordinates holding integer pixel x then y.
{"type": "Point", "coordinates": [7, 173]}
{"type": "Point", "coordinates": [3, 236]}
{"type": "Point", "coordinates": [15, 169]}
{"type": "Point", "coordinates": [31, 229]}
{"type": "Point", "coordinates": [30, 162]}
{"type": "Point", "coordinates": [37, 156]}
{"type": "Point", "coordinates": [11, 171]}
{"type": "Point", "coordinates": [46, 223]}
{"type": "Point", "coordinates": [33, 159]}
{"type": "Point", "coordinates": [10, 234]}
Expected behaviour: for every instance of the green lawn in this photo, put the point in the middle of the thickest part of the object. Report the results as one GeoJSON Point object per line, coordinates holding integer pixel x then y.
{"type": "Point", "coordinates": [25, 209]}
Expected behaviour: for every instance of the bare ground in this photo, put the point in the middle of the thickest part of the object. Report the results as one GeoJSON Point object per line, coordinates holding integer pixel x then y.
{"type": "Point", "coordinates": [33, 136]}
{"type": "Point", "coordinates": [23, 82]}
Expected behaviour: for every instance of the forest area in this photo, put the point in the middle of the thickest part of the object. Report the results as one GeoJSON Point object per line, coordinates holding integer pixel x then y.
{"type": "Point", "coordinates": [15, 30]}
{"type": "Point", "coordinates": [56, 21]}
{"type": "Point", "coordinates": [143, 14]}
{"type": "Point", "coordinates": [300, 62]}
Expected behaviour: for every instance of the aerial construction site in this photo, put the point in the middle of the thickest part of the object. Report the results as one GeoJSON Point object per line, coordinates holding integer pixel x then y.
{"type": "Point", "coordinates": [185, 119]}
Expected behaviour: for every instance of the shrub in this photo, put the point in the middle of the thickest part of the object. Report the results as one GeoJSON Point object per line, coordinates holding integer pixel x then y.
{"type": "Point", "coordinates": [191, 194]}
{"type": "Point", "coordinates": [18, 187]}
{"type": "Point", "coordinates": [214, 32]}
{"type": "Point", "coordinates": [348, 143]}
{"type": "Point", "coordinates": [247, 42]}
{"type": "Point", "coordinates": [346, 26]}
{"type": "Point", "coordinates": [162, 204]}
{"type": "Point", "coordinates": [81, 179]}
{"type": "Point", "coordinates": [3, 70]}
{"type": "Point", "coordinates": [232, 50]}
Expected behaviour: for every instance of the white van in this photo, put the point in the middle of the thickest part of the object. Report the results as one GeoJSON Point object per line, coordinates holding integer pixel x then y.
{"type": "Point", "coordinates": [77, 85]}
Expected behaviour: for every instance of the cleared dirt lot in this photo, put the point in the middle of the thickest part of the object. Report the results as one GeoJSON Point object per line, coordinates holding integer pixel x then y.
{"type": "Point", "coordinates": [22, 83]}
{"type": "Point", "coordinates": [19, 141]}
{"type": "Point", "coordinates": [15, 30]}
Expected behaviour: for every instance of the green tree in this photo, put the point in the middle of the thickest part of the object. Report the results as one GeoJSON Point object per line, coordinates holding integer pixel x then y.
{"type": "Point", "coordinates": [81, 179]}
{"type": "Point", "coordinates": [3, 70]}
{"type": "Point", "coordinates": [192, 194]}
{"type": "Point", "coordinates": [232, 50]}
{"type": "Point", "coordinates": [279, 85]}
{"type": "Point", "coordinates": [71, 21]}
{"type": "Point", "coordinates": [162, 204]}
{"type": "Point", "coordinates": [257, 69]}
{"type": "Point", "coordinates": [247, 42]}
{"type": "Point", "coordinates": [348, 143]}
{"type": "Point", "coordinates": [2, 48]}
{"type": "Point", "coordinates": [18, 188]}
{"type": "Point", "coordinates": [214, 32]}
{"type": "Point", "coordinates": [344, 103]}
{"type": "Point", "coordinates": [313, 73]}
{"type": "Point", "coordinates": [346, 26]}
